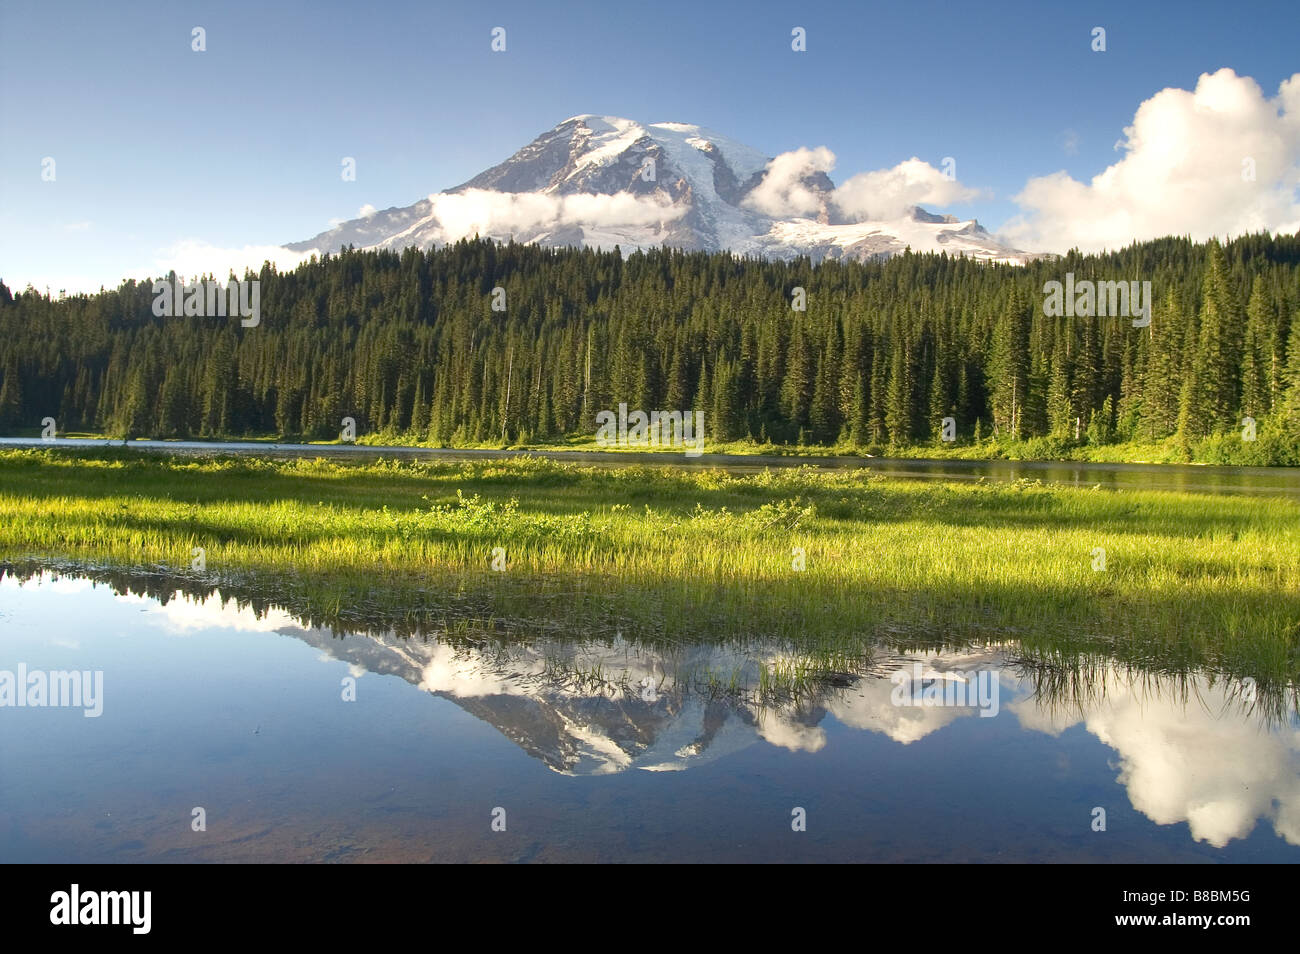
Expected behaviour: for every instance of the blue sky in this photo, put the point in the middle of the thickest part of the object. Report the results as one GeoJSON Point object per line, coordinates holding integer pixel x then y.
{"type": "Point", "coordinates": [156, 144]}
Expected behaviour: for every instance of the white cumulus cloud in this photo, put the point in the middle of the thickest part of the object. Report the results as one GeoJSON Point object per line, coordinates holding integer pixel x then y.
{"type": "Point", "coordinates": [890, 193]}
{"type": "Point", "coordinates": [782, 192]}
{"type": "Point", "coordinates": [877, 195]}
{"type": "Point", "coordinates": [1187, 169]}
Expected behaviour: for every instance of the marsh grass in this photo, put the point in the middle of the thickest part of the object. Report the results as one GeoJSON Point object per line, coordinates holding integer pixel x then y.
{"type": "Point", "coordinates": [672, 556]}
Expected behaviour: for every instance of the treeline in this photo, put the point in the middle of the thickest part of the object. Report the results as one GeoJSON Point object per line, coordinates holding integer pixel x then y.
{"type": "Point", "coordinates": [408, 344]}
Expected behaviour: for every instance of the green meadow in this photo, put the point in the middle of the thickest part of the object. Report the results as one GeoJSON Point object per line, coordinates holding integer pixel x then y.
{"type": "Point", "coordinates": [829, 562]}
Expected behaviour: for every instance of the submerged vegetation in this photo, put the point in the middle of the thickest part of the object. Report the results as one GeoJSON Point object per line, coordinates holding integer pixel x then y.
{"type": "Point", "coordinates": [827, 563]}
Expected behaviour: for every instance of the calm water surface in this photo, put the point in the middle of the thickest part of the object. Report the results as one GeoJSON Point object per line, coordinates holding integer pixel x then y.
{"type": "Point", "coordinates": [602, 751]}
{"type": "Point", "coordinates": [1190, 478]}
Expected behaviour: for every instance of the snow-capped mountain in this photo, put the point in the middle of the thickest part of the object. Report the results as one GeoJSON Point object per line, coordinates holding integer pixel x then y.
{"type": "Point", "coordinates": [602, 181]}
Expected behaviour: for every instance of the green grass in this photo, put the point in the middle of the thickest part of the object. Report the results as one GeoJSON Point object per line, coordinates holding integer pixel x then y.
{"type": "Point", "coordinates": [668, 555]}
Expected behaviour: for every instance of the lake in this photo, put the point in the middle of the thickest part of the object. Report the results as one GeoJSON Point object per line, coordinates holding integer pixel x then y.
{"type": "Point", "coordinates": [294, 742]}
{"type": "Point", "coordinates": [1189, 478]}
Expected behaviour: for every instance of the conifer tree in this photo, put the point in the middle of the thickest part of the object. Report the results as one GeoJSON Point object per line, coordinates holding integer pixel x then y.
{"type": "Point", "coordinates": [1256, 391]}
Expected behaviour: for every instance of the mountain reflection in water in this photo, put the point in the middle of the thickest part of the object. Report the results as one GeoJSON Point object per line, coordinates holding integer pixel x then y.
{"type": "Point", "coordinates": [1192, 749]}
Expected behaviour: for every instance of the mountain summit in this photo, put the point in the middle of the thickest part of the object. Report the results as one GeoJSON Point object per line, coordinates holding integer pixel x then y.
{"type": "Point", "coordinates": [602, 181]}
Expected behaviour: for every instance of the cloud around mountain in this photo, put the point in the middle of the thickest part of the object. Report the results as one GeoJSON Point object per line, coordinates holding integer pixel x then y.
{"type": "Point", "coordinates": [783, 191]}
{"type": "Point", "coordinates": [889, 193]}
{"type": "Point", "coordinates": [486, 212]}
